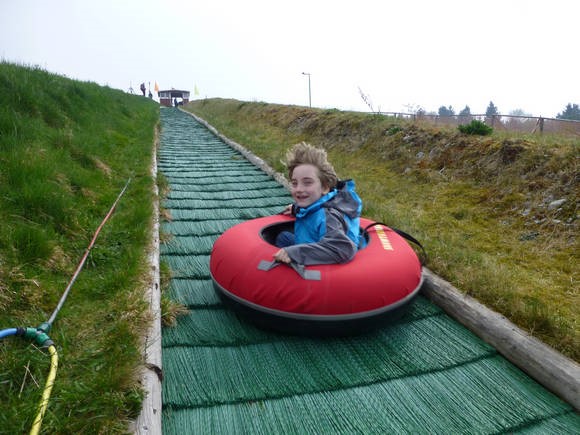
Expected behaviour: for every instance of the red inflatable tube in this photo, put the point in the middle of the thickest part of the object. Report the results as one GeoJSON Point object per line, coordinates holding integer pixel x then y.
{"type": "Point", "coordinates": [374, 288]}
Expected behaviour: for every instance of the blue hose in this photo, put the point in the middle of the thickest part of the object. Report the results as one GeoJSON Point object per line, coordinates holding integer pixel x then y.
{"type": "Point", "coordinates": [7, 332]}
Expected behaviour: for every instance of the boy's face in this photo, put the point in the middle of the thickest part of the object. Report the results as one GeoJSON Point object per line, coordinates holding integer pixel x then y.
{"type": "Point", "coordinates": [306, 185]}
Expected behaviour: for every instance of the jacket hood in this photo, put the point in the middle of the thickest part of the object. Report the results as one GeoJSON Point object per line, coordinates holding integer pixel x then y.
{"type": "Point", "coordinates": [346, 199]}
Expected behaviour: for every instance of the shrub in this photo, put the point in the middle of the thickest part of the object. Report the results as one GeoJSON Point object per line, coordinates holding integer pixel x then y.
{"type": "Point", "coordinates": [394, 130]}
{"type": "Point", "coordinates": [475, 127]}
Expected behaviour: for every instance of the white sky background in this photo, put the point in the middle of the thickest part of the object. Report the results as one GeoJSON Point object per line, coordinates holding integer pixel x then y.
{"type": "Point", "coordinates": [520, 54]}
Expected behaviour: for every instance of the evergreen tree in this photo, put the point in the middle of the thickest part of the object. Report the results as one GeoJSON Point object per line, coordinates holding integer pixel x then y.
{"type": "Point", "coordinates": [572, 111]}
{"type": "Point", "coordinates": [465, 112]}
{"type": "Point", "coordinates": [491, 110]}
{"type": "Point", "coordinates": [446, 111]}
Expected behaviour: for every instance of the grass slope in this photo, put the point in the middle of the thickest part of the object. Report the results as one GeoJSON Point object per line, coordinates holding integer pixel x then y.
{"type": "Point", "coordinates": [66, 150]}
{"type": "Point", "coordinates": [484, 207]}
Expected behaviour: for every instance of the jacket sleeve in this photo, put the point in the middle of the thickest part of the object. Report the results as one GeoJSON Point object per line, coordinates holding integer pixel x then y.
{"type": "Point", "coordinates": [334, 247]}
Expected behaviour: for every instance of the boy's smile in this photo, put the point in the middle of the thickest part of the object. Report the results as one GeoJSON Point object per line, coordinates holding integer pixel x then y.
{"type": "Point", "coordinates": [306, 185]}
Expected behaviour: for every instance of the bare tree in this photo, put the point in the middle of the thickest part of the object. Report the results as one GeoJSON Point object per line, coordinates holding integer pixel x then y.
{"type": "Point", "coordinates": [366, 98]}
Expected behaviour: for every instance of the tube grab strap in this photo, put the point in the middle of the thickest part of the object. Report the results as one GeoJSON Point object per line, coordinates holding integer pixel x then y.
{"type": "Point", "coordinates": [310, 275]}
{"type": "Point", "coordinates": [422, 258]}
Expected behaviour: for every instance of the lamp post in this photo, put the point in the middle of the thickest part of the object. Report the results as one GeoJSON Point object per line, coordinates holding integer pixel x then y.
{"type": "Point", "coordinates": [309, 94]}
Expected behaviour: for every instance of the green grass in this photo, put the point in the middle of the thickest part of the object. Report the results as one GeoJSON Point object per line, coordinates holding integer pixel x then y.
{"type": "Point", "coordinates": [67, 149]}
{"type": "Point", "coordinates": [478, 204]}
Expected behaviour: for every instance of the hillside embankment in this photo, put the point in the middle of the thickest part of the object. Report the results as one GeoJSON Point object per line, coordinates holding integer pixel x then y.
{"type": "Point", "coordinates": [67, 148]}
{"type": "Point", "coordinates": [497, 214]}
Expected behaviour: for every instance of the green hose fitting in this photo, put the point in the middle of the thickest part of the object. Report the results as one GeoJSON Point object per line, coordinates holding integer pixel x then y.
{"type": "Point", "coordinates": [44, 327]}
{"type": "Point", "coordinates": [40, 337]}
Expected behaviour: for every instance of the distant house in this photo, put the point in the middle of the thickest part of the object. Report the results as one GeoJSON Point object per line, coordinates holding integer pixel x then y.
{"type": "Point", "coordinates": [167, 98]}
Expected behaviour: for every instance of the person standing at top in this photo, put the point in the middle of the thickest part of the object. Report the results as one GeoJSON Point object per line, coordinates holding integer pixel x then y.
{"type": "Point", "coordinates": [327, 211]}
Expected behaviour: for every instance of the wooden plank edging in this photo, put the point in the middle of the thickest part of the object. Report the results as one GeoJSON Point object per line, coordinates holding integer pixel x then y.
{"type": "Point", "coordinates": [149, 420]}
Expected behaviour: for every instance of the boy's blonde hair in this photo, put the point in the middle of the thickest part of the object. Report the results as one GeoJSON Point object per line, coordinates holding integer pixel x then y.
{"type": "Point", "coordinates": [303, 153]}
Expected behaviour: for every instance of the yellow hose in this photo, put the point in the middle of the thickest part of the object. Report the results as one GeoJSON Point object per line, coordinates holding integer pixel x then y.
{"type": "Point", "coordinates": [47, 390]}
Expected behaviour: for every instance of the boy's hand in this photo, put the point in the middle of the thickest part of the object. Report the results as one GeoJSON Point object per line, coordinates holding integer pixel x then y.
{"type": "Point", "coordinates": [282, 256]}
{"type": "Point", "coordinates": [288, 210]}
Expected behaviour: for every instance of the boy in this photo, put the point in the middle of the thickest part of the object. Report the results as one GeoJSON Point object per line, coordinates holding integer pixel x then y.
{"type": "Point", "coordinates": [327, 212]}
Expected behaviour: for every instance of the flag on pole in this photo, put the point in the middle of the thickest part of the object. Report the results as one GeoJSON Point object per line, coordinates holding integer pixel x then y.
{"type": "Point", "coordinates": [156, 87]}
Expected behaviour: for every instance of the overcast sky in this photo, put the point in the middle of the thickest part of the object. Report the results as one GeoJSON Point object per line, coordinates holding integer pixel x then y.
{"type": "Point", "coordinates": [520, 54]}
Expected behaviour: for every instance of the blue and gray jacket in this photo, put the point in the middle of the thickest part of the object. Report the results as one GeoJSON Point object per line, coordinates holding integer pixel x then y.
{"type": "Point", "coordinates": [327, 231]}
